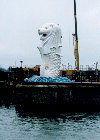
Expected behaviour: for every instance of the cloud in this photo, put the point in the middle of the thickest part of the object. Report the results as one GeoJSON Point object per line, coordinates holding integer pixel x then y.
{"type": "Point", "coordinates": [20, 20]}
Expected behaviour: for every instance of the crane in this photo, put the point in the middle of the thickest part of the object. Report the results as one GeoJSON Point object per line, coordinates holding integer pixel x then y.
{"type": "Point", "coordinates": [76, 53]}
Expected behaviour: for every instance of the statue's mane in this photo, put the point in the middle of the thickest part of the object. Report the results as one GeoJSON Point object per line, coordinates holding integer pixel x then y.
{"type": "Point", "coordinates": [53, 40]}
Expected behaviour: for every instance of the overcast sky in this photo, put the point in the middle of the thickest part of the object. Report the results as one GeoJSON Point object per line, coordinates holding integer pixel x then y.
{"type": "Point", "coordinates": [20, 20]}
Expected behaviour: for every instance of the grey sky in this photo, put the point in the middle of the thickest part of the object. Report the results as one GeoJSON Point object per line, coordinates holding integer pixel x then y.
{"type": "Point", "coordinates": [20, 20]}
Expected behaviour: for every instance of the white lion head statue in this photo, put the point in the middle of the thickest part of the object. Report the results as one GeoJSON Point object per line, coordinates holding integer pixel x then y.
{"type": "Point", "coordinates": [50, 35]}
{"type": "Point", "coordinates": [50, 50]}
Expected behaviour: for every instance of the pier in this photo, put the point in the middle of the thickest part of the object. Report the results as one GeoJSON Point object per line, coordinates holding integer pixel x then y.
{"type": "Point", "coordinates": [55, 96]}
{"type": "Point", "coordinates": [62, 96]}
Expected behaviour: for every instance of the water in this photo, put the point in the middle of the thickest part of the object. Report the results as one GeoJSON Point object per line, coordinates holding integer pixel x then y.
{"type": "Point", "coordinates": [15, 125]}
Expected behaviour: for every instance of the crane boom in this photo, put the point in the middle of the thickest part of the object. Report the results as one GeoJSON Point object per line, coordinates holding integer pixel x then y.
{"type": "Point", "coordinates": [76, 54]}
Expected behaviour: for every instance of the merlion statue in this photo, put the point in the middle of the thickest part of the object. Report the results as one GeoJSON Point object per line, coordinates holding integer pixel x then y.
{"type": "Point", "coordinates": [50, 50]}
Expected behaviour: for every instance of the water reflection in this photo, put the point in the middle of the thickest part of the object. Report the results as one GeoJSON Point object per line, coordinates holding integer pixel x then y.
{"type": "Point", "coordinates": [24, 125]}
{"type": "Point", "coordinates": [67, 125]}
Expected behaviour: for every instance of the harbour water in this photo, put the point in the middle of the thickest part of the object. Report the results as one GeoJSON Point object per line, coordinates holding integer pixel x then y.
{"type": "Point", "coordinates": [21, 125]}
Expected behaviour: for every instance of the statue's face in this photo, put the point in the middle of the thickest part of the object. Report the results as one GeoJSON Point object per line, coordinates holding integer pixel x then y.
{"type": "Point", "coordinates": [45, 31]}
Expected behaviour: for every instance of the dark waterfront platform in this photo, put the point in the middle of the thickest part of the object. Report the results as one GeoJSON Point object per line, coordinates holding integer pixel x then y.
{"type": "Point", "coordinates": [59, 96]}
{"type": "Point", "coordinates": [52, 96]}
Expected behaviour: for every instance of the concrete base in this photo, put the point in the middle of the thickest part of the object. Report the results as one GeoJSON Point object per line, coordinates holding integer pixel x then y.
{"type": "Point", "coordinates": [49, 96]}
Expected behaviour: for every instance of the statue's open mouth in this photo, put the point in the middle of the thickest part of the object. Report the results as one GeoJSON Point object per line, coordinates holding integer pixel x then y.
{"type": "Point", "coordinates": [44, 35]}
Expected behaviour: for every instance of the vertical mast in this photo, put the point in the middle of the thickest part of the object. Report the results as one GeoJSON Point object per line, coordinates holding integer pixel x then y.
{"type": "Point", "coordinates": [76, 54]}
